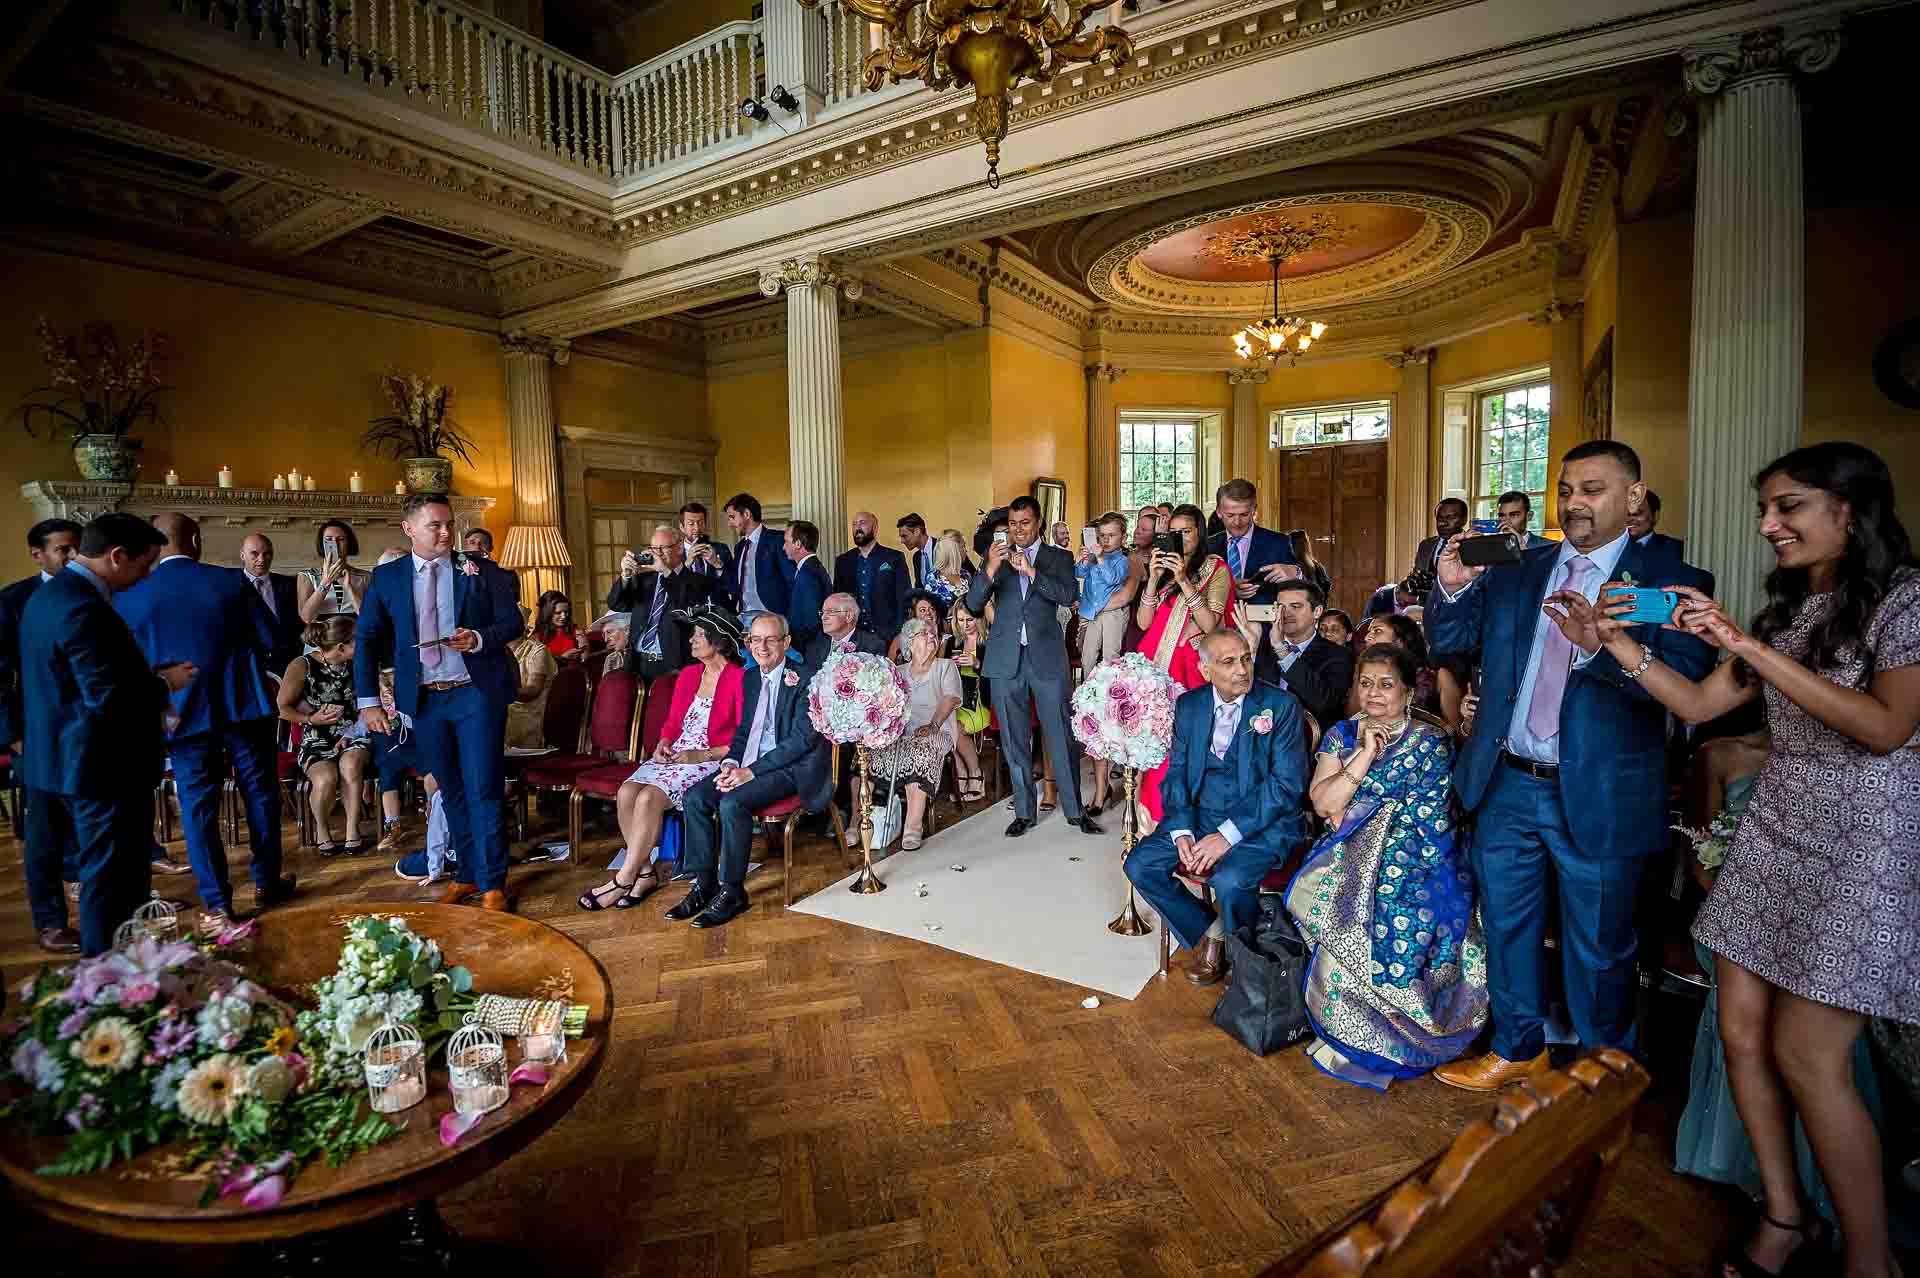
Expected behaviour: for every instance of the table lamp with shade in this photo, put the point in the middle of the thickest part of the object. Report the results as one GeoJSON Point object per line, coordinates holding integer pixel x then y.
{"type": "Point", "coordinates": [537, 554]}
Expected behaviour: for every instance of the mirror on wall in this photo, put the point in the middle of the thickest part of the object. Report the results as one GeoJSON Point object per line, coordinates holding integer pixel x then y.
{"type": "Point", "coordinates": [1052, 496]}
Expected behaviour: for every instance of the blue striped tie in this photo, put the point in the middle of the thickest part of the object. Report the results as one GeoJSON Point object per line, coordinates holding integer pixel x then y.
{"type": "Point", "coordinates": [1233, 557]}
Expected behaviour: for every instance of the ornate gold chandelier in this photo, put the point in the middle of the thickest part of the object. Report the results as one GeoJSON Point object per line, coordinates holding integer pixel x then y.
{"type": "Point", "coordinates": [989, 44]}
{"type": "Point", "coordinates": [1275, 239]}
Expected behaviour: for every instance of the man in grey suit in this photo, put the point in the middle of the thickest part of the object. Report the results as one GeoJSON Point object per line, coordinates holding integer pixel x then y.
{"type": "Point", "coordinates": [1026, 658]}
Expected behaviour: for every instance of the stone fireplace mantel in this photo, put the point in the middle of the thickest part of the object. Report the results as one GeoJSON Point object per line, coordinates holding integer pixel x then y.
{"type": "Point", "coordinates": [227, 515]}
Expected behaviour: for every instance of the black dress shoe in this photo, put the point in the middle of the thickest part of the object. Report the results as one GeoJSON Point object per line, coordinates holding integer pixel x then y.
{"type": "Point", "coordinates": [1018, 827]}
{"type": "Point", "coordinates": [59, 940]}
{"type": "Point", "coordinates": [729, 903]}
{"type": "Point", "coordinates": [698, 897]}
{"type": "Point", "coordinates": [1087, 826]}
{"type": "Point", "coordinates": [275, 893]}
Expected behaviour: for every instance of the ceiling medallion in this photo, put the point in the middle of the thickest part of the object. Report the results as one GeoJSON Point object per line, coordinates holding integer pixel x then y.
{"type": "Point", "coordinates": [1276, 238]}
{"type": "Point", "coordinates": [989, 44]}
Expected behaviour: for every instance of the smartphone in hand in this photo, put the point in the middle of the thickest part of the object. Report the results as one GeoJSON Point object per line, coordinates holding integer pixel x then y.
{"type": "Point", "coordinates": [1650, 607]}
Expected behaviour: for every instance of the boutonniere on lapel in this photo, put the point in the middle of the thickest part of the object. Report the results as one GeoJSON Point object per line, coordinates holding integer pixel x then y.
{"type": "Point", "coordinates": [466, 563]}
{"type": "Point", "coordinates": [1626, 579]}
{"type": "Point", "coordinates": [791, 679]}
{"type": "Point", "coordinates": [1261, 724]}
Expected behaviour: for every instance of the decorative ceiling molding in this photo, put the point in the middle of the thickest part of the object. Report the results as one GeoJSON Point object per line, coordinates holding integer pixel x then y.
{"type": "Point", "coordinates": [1601, 151]}
{"type": "Point", "coordinates": [318, 222]}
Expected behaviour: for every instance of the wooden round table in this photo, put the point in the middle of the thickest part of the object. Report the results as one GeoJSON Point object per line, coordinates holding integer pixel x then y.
{"type": "Point", "coordinates": [293, 948]}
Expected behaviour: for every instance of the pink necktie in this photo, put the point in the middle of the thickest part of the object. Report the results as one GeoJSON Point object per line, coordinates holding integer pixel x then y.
{"type": "Point", "coordinates": [1556, 659]}
{"type": "Point", "coordinates": [430, 619]}
{"type": "Point", "coordinates": [266, 595]}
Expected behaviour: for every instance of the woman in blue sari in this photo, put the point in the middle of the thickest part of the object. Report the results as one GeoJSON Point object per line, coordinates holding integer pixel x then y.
{"type": "Point", "coordinates": [1397, 982]}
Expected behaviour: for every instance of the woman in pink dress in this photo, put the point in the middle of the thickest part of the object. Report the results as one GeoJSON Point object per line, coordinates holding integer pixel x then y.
{"type": "Point", "coordinates": [700, 724]}
{"type": "Point", "coordinates": [1185, 596]}
{"type": "Point", "coordinates": [1814, 920]}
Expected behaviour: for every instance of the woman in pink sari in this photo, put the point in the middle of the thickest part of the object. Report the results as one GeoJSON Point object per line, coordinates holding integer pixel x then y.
{"type": "Point", "coordinates": [1187, 595]}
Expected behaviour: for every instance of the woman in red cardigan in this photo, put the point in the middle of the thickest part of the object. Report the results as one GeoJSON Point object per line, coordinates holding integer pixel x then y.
{"type": "Point", "coordinates": [700, 724]}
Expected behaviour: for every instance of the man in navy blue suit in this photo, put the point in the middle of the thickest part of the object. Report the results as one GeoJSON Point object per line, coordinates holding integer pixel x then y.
{"type": "Point", "coordinates": [1259, 558]}
{"type": "Point", "coordinates": [92, 708]}
{"type": "Point", "coordinates": [762, 576]}
{"type": "Point", "coordinates": [443, 622]}
{"type": "Point", "coordinates": [705, 556]}
{"type": "Point", "coordinates": [811, 585]}
{"type": "Point", "coordinates": [1553, 705]}
{"type": "Point", "coordinates": [1642, 529]}
{"type": "Point", "coordinates": [776, 752]}
{"type": "Point", "coordinates": [1232, 800]}
{"type": "Point", "coordinates": [189, 611]}
{"type": "Point", "coordinates": [276, 593]}
{"type": "Point", "coordinates": [48, 849]}
{"type": "Point", "coordinates": [1514, 511]}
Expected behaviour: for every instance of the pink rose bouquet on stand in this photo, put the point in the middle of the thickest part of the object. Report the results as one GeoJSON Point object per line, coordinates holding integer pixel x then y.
{"type": "Point", "coordinates": [860, 699]}
{"type": "Point", "coordinates": [1123, 713]}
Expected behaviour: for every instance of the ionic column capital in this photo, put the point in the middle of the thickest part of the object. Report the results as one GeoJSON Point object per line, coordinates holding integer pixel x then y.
{"type": "Point", "coordinates": [1709, 68]}
{"type": "Point", "coordinates": [1108, 373]}
{"type": "Point", "coordinates": [808, 271]}
{"type": "Point", "coordinates": [1413, 355]}
{"type": "Point", "coordinates": [1248, 376]}
{"type": "Point", "coordinates": [559, 350]}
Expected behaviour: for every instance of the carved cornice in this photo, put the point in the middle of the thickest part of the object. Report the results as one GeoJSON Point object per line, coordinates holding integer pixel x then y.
{"type": "Point", "coordinates": [269, 205]}
{"type": "Point", "coordinates": [472, 285]}
{"type": "Point", "coordinates": [1557, 313]}
{"type": "Point", "coordinates": [1711, 67]}
{"type": "Point", "coordinates": [1596, 159]}
{"type": "Point", "coordinates": [1412, 355]}
{"type": "Point", "coordinates": [1248, 376]}
{"type": "Point", "coordinates": [1103, 372]}
{"type": "Point", "coordinates": [994, 268]}
{"type": "Point", "coordinates": [228, 505]}
{"type": "Point", "coordinates": [808, 271]}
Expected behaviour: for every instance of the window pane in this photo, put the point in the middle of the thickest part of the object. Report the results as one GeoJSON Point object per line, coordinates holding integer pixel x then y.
{"type": "Point", "coordinates": [1492, 409]}
{"type": "Point", "coordinates": [1537, 439]}
{"type": "Point", "coordinates": [1184, 470]}
{"type": "Point", "coordinates": [1484, 509]}
{"type": "Point", "coordinates": [1162, 435]}
{"type": "Point", "coordinates": [1183, 437]}
{"type": "Point", "coordinates": [1537, 475]}
{"type": "Point", "coordinates": [1540, 399]}
{"type": "Point", "coordinates": [1370, 426]}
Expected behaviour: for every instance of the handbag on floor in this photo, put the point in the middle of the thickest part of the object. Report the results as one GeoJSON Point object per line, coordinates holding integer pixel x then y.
{"type": "Point", "coordinates": [888, 817]}
{"type": "Point", "coordinates": [1265, 1006]}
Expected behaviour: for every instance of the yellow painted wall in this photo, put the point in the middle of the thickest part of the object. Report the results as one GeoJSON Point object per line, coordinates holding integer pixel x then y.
{"type": "Point", "coordinates": [1506, 349]}
{"type": "Point", "coordinates": [1039, 422]}
{"type": "Point", "coordinates": [599, 394]}
{"type": "Point", "coordinates": [1650, 357]}
{"type": "Point", "coordinates": [748, 416]}
{"type": "Point", "coordinates": [262, 382]}
{"type": "Point", "coordinates": [1144, 388]}
{"type": "Point", "coordinates": [1601, 299]}
{"type": "Point", "coordinates": [1863, 277]}
{"type": "Point", "coordinates": [672, 23]}
{"type": "Point", "coordinates": [1333, 382]}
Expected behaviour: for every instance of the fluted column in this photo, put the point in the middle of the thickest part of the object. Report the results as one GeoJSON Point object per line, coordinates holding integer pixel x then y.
{"type": "Point", "coordinates": [1103, 441]}
{"type": "Point", "coordinates": [1409, 446]}
{"type": "Point", "coordinates": [1249, 455]}
{"type": "Point", "coordinates": [816, 445]}
{"type": "Point", "coordinates": [530, 432]}
{"type": "Point", "coordinates": [1568, 403]}
{"type": "Point", "coordinates": [1745, 378]}
{"type": "Point", "coordinates": [796, 56]}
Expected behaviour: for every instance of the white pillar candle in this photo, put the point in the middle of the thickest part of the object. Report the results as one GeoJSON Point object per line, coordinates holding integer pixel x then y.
{"type": "Point", "coordinates": [226, 477]}
{"type": "Point", "coordinates": [399, 488]}
{"type": "Point", "coordinates": [173, 477]}
{"type": "Point", "coordinates": [280, 483]}
{"type": "Point", "coordinates": [353, 482]}
{"type": "Point", "coordinates": [309, 485]}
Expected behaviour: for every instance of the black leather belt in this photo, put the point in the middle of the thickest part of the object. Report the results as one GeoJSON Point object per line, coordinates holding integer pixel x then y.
{"type": "Point", "coordinates": [1543, 771]}
{"type": "Point", "coordinates": [446, 685]}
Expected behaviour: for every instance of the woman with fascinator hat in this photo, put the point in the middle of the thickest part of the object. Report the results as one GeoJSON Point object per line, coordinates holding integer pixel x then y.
{"type": "Point", "coordinates": [700, 723]}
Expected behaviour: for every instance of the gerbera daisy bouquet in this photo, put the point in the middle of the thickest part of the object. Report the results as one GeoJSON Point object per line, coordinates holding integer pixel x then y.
{"type": "Point", "coordinates": [159, 1041]}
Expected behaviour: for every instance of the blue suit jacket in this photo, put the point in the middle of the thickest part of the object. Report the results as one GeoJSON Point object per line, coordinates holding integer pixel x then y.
{"type": "Point", "coordinates": [1612, 734]}
{"type": "Point", "coordinates": [13, 606]}
{"type": "Point", "coordinates": [1267, 548]}
{"type": "Point", "coordinates": [92, 704]}
{"type": "Point", "coordinates": [772, 572]}
{"type": "Point", "coordinates": [283, 622]}
{"type": "Point", "coordinates": [723, 577]}
{"type": "Point", "coordinates": [1267, 801]}
{"type": "Point", "coordinates": [798, 746]}
{"type": "Point", "coordinates": [811, 586]}
{"type": "Point", "coordinates": [187, 611]}
{"type": "Point", "coordinates": [487, 603]}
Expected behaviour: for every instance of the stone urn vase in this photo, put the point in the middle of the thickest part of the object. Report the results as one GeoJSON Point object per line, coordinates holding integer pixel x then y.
{"type": "Point", "coordinates": [107, 458]}
{"type": "Point", "coordinates": [427, 474]}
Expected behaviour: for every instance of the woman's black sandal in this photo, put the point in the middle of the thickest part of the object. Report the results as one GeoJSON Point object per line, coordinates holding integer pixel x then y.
{"type": "Point", "coordinates": [628, 897]}
{"type": "Point", "coordinates": [1813, 1239]}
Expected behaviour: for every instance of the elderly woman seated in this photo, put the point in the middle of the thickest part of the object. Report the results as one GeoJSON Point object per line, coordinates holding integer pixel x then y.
{"type": "Point", "coordinates": [917, 758]}
{"type": "Point", "coordinates": [614, 628]}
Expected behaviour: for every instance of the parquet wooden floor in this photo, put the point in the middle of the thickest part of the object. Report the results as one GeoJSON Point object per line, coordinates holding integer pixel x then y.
{"type": "Point", "coordinates": [797, 1097]}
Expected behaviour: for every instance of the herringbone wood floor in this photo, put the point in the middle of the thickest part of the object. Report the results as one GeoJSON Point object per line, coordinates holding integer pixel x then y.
{"type": "Point", "coordinates": [794, 1096]}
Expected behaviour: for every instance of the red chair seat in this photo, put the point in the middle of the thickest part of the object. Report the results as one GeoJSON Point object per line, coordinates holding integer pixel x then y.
{"type": "Point", "coordinates": [784, 808]}
{"type": "Point", "coordinates": [558, 771]}
{"type": "Point", "coordinates": [603, 782]}
{"type": "Point", "coordinates": [1276, 880]}
{"type": "Point", "coordinates": [289, 769]}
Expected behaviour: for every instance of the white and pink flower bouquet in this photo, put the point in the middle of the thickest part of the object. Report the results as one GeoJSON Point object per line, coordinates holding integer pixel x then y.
{"type": "Point", "coordinates": [859, 698]}
{"type": "Point", "coordinates": [163, 1041]}
{"type": "Point", "coordinates": [1123, 711]}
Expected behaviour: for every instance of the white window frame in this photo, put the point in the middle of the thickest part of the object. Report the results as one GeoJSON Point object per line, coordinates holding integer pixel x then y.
{"type": "Point", "coordinates": [1275, 418]}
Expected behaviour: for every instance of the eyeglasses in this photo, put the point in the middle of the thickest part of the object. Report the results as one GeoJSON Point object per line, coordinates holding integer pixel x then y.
{"type": "Point", "coordinates": [765, 641]}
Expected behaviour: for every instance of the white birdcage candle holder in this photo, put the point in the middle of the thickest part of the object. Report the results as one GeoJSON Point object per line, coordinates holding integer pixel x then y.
{"type": "Point", "coordinates": [543, 1040]}
{"type": "Point", "coordinates": [126, 934]}
{"type": "Point", "coordinates": [158, 919]}
{"type": "Point", "coordinates": [396, 1066]}
{"type": "Point", "coordinates": [477, 1068]}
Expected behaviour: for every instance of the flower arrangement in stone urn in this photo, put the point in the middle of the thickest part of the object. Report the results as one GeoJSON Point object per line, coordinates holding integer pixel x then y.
{"type": "Point", "coordinates": [1123, 712]}
{"type": "Point", "coordinates": [418, 433]}
{"type": "Point", "coordinates": [860, 699]}
{"type": "Point", "coordinates": [98, 390]}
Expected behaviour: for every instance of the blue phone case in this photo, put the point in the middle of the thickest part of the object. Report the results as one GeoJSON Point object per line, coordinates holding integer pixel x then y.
{"type": "Point", "coordinates": [1650, 607]}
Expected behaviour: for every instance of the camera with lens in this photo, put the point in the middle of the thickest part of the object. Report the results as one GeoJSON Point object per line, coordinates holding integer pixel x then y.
{"type": "Point", "coordinates": [644, 558]}
{"type": "Point", "coordinates": [1419, 583]}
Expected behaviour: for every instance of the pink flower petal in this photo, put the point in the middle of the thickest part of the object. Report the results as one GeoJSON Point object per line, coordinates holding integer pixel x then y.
{"type": "Point", "coordinates": [528, 1072]}
{"type": "Point", "coordinates": [455, 1125]}
{"type": "Point", "coordinates": [265, 1195]}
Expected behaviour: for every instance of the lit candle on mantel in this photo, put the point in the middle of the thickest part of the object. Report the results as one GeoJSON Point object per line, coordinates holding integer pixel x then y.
{"type": "Point", "coordinates": [400, 488]}
{"type": "Point", "coordinates": [173, 477]}
{"type": "Point", "coordinates": [353, 482]}
{"type": "Point", "coordinates": [226, 477]}
{"type": "Point", "coordinates": [309, 485]}
{"type": "Point", "coordinates": [293, 478]}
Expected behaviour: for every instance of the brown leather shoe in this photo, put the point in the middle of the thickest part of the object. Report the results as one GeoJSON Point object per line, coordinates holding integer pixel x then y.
{"type": "Point", "coordinates": [1491, 1072]}
{"type": "Point", "coordinates": [398, 832]}
{"type": "Point", "coordinates": [458, 892]}
{"type": "Point", "coordinates": [1210, 964]}
{"type": "Point", "coordinates": [59, 940]}
{"type": "Point", "coordinates": [161, 865]}
{"type": "Point", "coordinates": [496, 900]}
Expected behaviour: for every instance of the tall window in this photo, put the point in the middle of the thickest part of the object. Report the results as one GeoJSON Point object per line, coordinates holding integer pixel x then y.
{"type": "Point", "coordinates": [1159, 460]}
{"type": "Point", "coordinates": [1330, 424]}
{"type": "Point", "coordinates": [1512, 457]}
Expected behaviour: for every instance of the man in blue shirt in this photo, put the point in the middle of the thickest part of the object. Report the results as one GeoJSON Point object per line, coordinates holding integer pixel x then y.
{"type": "Point", "coordinates": [876, 576]}
{"type": "Point", "coordinates": [1107, 588]}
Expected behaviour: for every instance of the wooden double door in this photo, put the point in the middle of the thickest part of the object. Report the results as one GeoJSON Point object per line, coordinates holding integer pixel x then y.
{"type": "Point", "coordinates": [1338, 493]}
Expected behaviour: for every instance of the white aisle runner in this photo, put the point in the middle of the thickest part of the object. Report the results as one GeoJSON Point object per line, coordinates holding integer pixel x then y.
{"type": "Point", "coordinates": [1024, 902]}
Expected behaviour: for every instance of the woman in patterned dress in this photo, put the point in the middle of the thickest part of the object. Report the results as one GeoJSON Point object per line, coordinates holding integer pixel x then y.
{"type": "Point", "coordinates": [1815, 918]}
{"type": "Point", "coordinates": [317, 693]}
{"type": "Point", "coordinates": [965, 646]}
{"type": "Point", "coordinates": [917, 759]}
{"type": "Point", "coordinates": [1397, 981]}
{"type": "Point", "coordinates": [700, 724]}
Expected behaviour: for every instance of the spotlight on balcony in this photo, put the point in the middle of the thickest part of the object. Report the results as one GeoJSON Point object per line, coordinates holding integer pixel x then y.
{"type": "Point", "coordinates": [756, 110]}
{"type": "Point", "coordinates": [785, 100]}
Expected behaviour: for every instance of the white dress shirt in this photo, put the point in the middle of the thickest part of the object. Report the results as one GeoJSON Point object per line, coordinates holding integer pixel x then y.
{"type": "Point", "coordinates": [1226, 722]}
{"type": "Point", "coordinates": [1287, 659]}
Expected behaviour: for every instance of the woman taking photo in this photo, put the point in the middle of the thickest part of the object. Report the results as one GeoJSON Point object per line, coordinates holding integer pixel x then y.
{"type": "Point", "coordinates": [553, 627]}
{"type": "Point", "coordinates": [335, 586]}
{"type": "Point", "coordinates": [1397, 981]}
{"type": "Point", "coordinates": [918, 758]}
{"type": "Point", "coordinates": [925, 606]}
{"type": "Point", "coordinates": [1186, 595]}
{"type": "Point", "coordinates": [701, 720]}
{"type": "Point", "coordinates": [1815, 919]}
{"type": "Point", "coordinates": [317, 693]}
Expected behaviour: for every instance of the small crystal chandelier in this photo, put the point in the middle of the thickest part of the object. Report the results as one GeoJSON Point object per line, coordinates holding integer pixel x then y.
{"type": "Point", "coordinates": [1277, 334]}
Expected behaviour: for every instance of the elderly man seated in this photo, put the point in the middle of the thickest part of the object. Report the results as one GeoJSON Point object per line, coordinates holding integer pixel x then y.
{"type": "Point", "coordinates": [839, 632]}
{"type": "Point", "coordinates": [1234, 802]}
